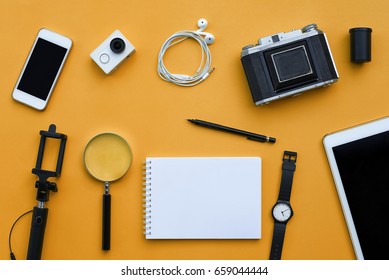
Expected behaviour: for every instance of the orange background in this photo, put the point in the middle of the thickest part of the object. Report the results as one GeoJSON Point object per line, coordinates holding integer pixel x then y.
{"type": "Point", "coordinates": [151, 114]}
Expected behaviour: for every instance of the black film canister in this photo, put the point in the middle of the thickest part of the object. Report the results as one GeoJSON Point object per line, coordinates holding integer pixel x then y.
{"type": "Point", "coordinates": [360, 44]}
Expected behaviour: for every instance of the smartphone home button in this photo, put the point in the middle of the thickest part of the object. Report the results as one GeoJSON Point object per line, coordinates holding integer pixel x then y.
{"type": "Point", "coordinates": [104, 58]}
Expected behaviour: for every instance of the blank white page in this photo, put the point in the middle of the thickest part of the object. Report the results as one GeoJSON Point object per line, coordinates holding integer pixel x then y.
{"type": "Point", "coordinates": [203, 198]}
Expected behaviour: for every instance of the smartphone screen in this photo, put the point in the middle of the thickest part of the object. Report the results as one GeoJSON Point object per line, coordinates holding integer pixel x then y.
{"type": "Point", "coordinates": [42, 69]}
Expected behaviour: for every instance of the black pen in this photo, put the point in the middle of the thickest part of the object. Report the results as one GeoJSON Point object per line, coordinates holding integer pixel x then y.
{"type": "Point", "coordinates": [249, 135]}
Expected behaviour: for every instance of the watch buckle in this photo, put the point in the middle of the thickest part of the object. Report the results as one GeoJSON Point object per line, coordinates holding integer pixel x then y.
{"type": "Point", "coordinates": [290, 156]}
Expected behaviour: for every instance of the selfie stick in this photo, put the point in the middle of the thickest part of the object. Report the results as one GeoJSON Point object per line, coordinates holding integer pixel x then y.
{"type": "Point", "coordinates": [39, 217]}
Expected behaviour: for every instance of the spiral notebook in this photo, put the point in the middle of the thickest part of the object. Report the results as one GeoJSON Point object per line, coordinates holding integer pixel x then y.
{"type": "Point", "coordinates": [202, 198]}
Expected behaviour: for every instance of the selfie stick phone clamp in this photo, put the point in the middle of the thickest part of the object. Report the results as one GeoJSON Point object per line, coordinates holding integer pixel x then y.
{"type": "Point", "coordinates": [39, 217]}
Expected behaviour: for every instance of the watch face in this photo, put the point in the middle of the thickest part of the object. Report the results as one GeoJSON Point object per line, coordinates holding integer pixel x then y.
{"type": "Point", "coordinates": [282, 212]}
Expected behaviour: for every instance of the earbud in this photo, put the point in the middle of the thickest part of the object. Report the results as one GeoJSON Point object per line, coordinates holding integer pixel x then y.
{"type": "Point", "coordinates": [202, 24]}
{"type": "Point", "coordinates": [208, 37]}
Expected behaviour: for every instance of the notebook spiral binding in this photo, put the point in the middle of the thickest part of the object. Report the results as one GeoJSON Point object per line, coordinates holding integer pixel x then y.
{"type": "Point", "coordinates": [147, 198]}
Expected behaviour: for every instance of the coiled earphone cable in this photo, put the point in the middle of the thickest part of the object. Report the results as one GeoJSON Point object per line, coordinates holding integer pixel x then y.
{"type": "Point", "coordinates": [204, 69]}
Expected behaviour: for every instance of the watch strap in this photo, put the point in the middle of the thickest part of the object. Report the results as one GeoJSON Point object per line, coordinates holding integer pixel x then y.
{"type": "Point", "coordinates": [278, 241]}
{"type": "Point", "coordinates": [288, 168]}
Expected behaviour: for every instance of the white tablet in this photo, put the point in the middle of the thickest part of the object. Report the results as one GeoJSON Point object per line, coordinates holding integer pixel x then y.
{"type": "Point", "coordinates": [359, 162]}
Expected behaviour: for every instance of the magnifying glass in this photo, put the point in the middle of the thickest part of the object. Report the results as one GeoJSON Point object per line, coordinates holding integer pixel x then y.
{"type": "Point", "coordinates": [107, 158]}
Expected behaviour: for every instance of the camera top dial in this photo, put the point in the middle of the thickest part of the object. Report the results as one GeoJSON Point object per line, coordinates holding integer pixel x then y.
{"type": "Point", "coordinates": [309, 28]}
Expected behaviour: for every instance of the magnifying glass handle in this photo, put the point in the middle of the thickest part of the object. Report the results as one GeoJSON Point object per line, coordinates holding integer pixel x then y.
{"type": "Point", "coordinates": [106, 221]}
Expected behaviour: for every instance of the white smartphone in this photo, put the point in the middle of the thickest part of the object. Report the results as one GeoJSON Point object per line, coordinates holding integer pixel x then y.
{"type": "Point", "coordinates": [42, 69]}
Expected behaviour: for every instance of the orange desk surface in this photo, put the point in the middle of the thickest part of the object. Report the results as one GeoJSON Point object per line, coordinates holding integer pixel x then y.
{"type": "Point", "coordinates": [151, 114]}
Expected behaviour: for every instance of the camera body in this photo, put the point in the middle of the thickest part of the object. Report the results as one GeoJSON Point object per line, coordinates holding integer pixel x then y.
{"type": "Point", "coordinates": [112, 52]}
{"type": "Point", "coordinates": [287, 64]}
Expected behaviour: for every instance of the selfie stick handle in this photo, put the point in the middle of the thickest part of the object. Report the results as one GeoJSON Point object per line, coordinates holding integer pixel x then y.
{"type": "Point", "coordinates": [106, 218]}
{"type": "Point", "coordinates": [37, 233]}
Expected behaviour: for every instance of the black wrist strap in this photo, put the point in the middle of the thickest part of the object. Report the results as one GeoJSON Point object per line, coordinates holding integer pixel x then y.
{"type": "Point", "coordinates": [288, 168]}
{"type": "Point", "coordinates": [278, 241]}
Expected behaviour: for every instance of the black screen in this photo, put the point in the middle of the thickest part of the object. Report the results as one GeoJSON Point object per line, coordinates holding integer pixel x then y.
{"type": "Point", "coordinates": [364, 170]}
{"type": "Point", "coordinates": [42, 68]}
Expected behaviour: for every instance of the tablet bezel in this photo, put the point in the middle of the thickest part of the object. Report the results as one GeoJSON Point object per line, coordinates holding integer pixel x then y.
{"type": "Point", "coordinates": [341, 137]}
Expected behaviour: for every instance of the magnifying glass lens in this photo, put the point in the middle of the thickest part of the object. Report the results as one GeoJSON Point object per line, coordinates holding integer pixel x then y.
{"type": "Point", "coordinates": [107, 157]}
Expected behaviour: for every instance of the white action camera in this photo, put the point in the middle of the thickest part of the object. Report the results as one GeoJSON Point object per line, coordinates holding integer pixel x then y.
{"type": "Point", "coordinates": [113, 51]}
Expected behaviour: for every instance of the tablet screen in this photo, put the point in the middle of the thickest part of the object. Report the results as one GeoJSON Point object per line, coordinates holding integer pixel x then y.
{"type": "Point", "coordinates": [364, 170]}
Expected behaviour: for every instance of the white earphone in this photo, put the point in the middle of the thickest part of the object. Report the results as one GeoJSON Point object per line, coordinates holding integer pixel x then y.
{"type": "Point", "coordinates": [204, 70]}
{"type": "Point", "coordinates": [208, 37]}
{"type": "Point", "coordinates": [202, 24]}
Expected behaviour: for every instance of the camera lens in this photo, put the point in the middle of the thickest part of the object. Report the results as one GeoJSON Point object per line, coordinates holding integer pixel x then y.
{"type": "Point", "coordinates": [117, 45]}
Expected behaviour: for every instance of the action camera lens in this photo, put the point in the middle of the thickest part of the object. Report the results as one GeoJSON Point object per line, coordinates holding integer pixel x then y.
{"type": "Point", "coordinates": [117, 45]}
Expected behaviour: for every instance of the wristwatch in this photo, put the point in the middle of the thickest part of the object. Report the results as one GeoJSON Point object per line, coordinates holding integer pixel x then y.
{"type": "Point", "coordinates": [282, 211]}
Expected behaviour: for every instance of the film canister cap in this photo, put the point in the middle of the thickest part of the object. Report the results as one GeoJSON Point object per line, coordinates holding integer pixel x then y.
{"type": "Point", "coordinates": [360, 44]}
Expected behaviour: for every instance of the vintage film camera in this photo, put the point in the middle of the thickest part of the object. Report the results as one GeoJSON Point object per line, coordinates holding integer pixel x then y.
{"type": "Point", "coordinates": [286, 64]}
{"type": "Point", "coordinates": [112, 52]}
